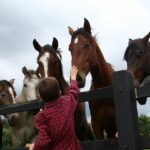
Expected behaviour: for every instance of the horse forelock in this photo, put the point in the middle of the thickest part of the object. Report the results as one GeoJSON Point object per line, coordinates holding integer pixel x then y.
{"type": "Point", "coordinates": [32, 73]}
{"type": "Point", "coordinates": [82, 32]}
{"type": "Point", "coordinates": [50, 49]}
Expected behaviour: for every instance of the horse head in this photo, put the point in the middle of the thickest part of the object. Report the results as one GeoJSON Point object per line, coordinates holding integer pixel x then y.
{"type": "Point", "coordinates": [49, 62]}
{"type": "Point", "coordinates": [49, 58]}
{"type": "Point", "coordinates": [7, 92]}
{"type": "Point", "coordinates": [30, 83]}
{"type": "Point", "coordinates": [137, 55]}
{"type": "Point", "coordinates": [83, 51]}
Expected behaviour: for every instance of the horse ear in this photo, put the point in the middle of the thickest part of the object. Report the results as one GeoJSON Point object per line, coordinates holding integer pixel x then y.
{"type": "Point", "coordinates": [24, 70]}
{"type": "Point", "coordinates": [87, 26]}
{"type": "Point", "coordinates": [36, 45]}
{"type": "Point", "coordinates": [12, 81]}
{"type": "Point", "coordinates": [55, 43]}
{"type": "Point", "coordinates": [130, 41]}
{"type": "Point", "coordinates": [70, 30]}
{"type": "Point", "coordinates": [146, 39]}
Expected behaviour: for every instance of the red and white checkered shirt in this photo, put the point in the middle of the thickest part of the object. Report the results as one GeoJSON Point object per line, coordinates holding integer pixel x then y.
{"type": "Point", "coordinates": [55, 123]}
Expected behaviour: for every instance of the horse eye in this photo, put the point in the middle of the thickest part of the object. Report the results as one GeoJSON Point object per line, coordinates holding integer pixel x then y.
{"type": "Point", "coordinates": [138, 52]}
{"type": "Point", "coordinates": [25, 85]}
{"type": "Point", "coordinates": [3, 95]}
{"type": "Point", "coordinates": [87, 45]}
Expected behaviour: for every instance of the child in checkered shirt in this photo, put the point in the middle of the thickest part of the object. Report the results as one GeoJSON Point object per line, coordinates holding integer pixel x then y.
{"type": "Point", "coordinates": [55, 123]}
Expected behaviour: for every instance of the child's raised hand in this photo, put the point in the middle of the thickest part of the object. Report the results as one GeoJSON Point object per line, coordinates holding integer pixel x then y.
{"type": "Point", "coordinates": [30, 146]}
{"type": "Point", "coordinates": [73, 73]}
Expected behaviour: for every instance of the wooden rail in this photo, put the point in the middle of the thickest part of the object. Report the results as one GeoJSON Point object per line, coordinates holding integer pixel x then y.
{"type": "Point", "coordinates": [126, 113]}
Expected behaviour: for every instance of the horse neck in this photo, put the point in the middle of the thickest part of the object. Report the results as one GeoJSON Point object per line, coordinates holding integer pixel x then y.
{"type": "Point", "coordinates": [61, 80]}
{"type": "Point", "coordinates": [149, 46]}
{"type": "Point", "coordinates": [102, 72]}
{"type": "Point", "coordinates": [63, 85]}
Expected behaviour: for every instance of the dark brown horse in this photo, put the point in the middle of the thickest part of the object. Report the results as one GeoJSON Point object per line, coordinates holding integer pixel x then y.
{"type": "Point", "coordinates": [137, 56]}
{"type": "Point", "coordinates": [7, 96]}
{"type": "Point", "coordinates": [49, 61]}
{"type": "Point", "coordinates": [87, 56]}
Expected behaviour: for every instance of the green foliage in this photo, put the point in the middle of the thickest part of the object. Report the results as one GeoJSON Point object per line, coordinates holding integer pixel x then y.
{"type": "Point", "coordinates": [6, 135]}
{"type": "Point", "coordinates": [144, 125]}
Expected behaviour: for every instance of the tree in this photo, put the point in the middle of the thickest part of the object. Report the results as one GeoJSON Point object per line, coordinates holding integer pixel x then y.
{"type": "Point", "coordinates": [6, 135]}
{"type": "Point", "coordinates": [144, 125]}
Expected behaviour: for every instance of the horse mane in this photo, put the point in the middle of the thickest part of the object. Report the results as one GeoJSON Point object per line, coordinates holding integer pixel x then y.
{"type": "Point", "coordinates": [34, 72]}
{"type": "Point", "coordinates": [105, 66]}
{"type": "Point", "coordinates": [82, 32]}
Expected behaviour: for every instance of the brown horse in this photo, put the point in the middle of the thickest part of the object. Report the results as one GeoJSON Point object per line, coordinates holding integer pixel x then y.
{"type": "Point", "coordinates": [7, 95]}
{"type": "Point", "coordinates": [87, 56]}
{"type": "Point", "coordinates": [137, 56]}
{"type": "Point", "coordinates": [49, 61]}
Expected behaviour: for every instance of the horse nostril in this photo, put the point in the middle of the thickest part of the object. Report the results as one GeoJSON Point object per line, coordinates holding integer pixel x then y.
{"type": "Point", "coordinates": [12, 120]}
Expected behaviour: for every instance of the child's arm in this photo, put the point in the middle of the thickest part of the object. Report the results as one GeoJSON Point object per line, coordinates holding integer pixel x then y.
{"type": "Point", "coordinates": [73, 73]}
{"type": "Point", "coordinates": [73, 90]}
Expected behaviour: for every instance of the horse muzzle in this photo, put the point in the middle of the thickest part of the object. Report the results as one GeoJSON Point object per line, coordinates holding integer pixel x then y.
{"type": "Point", "coordinates": [12, 119]}
{"type": "Point", "coordinates": [81, 79]}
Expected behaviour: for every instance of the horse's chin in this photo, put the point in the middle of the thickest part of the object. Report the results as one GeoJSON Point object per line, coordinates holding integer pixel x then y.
{"type": "Point", "coordinates": [81, 80]}
{"type": "Point", "coordinates": [144, 82]}
{"type": "Point", "coordinates": [142, 101]}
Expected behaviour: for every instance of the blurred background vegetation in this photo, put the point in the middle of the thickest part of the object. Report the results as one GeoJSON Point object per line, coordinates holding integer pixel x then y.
{"type": "Point", "coordinates": [144, 127]}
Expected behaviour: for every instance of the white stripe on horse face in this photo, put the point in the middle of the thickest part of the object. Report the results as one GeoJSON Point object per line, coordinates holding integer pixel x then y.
{"type": "Point", "coordinates": [12, 94]}
{"type": "Point", "coordinates": [44, 60]}
{"type": "Point", "coordinates": [76, 40]}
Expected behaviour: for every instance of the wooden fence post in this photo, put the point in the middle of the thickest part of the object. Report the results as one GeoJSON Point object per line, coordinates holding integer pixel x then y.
{"type": "Point", "coordinates": [126, 111]}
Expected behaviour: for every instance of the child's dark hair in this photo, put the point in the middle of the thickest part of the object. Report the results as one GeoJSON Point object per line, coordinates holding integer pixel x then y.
{"type": "Point", "coordinates": [49, 89]}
